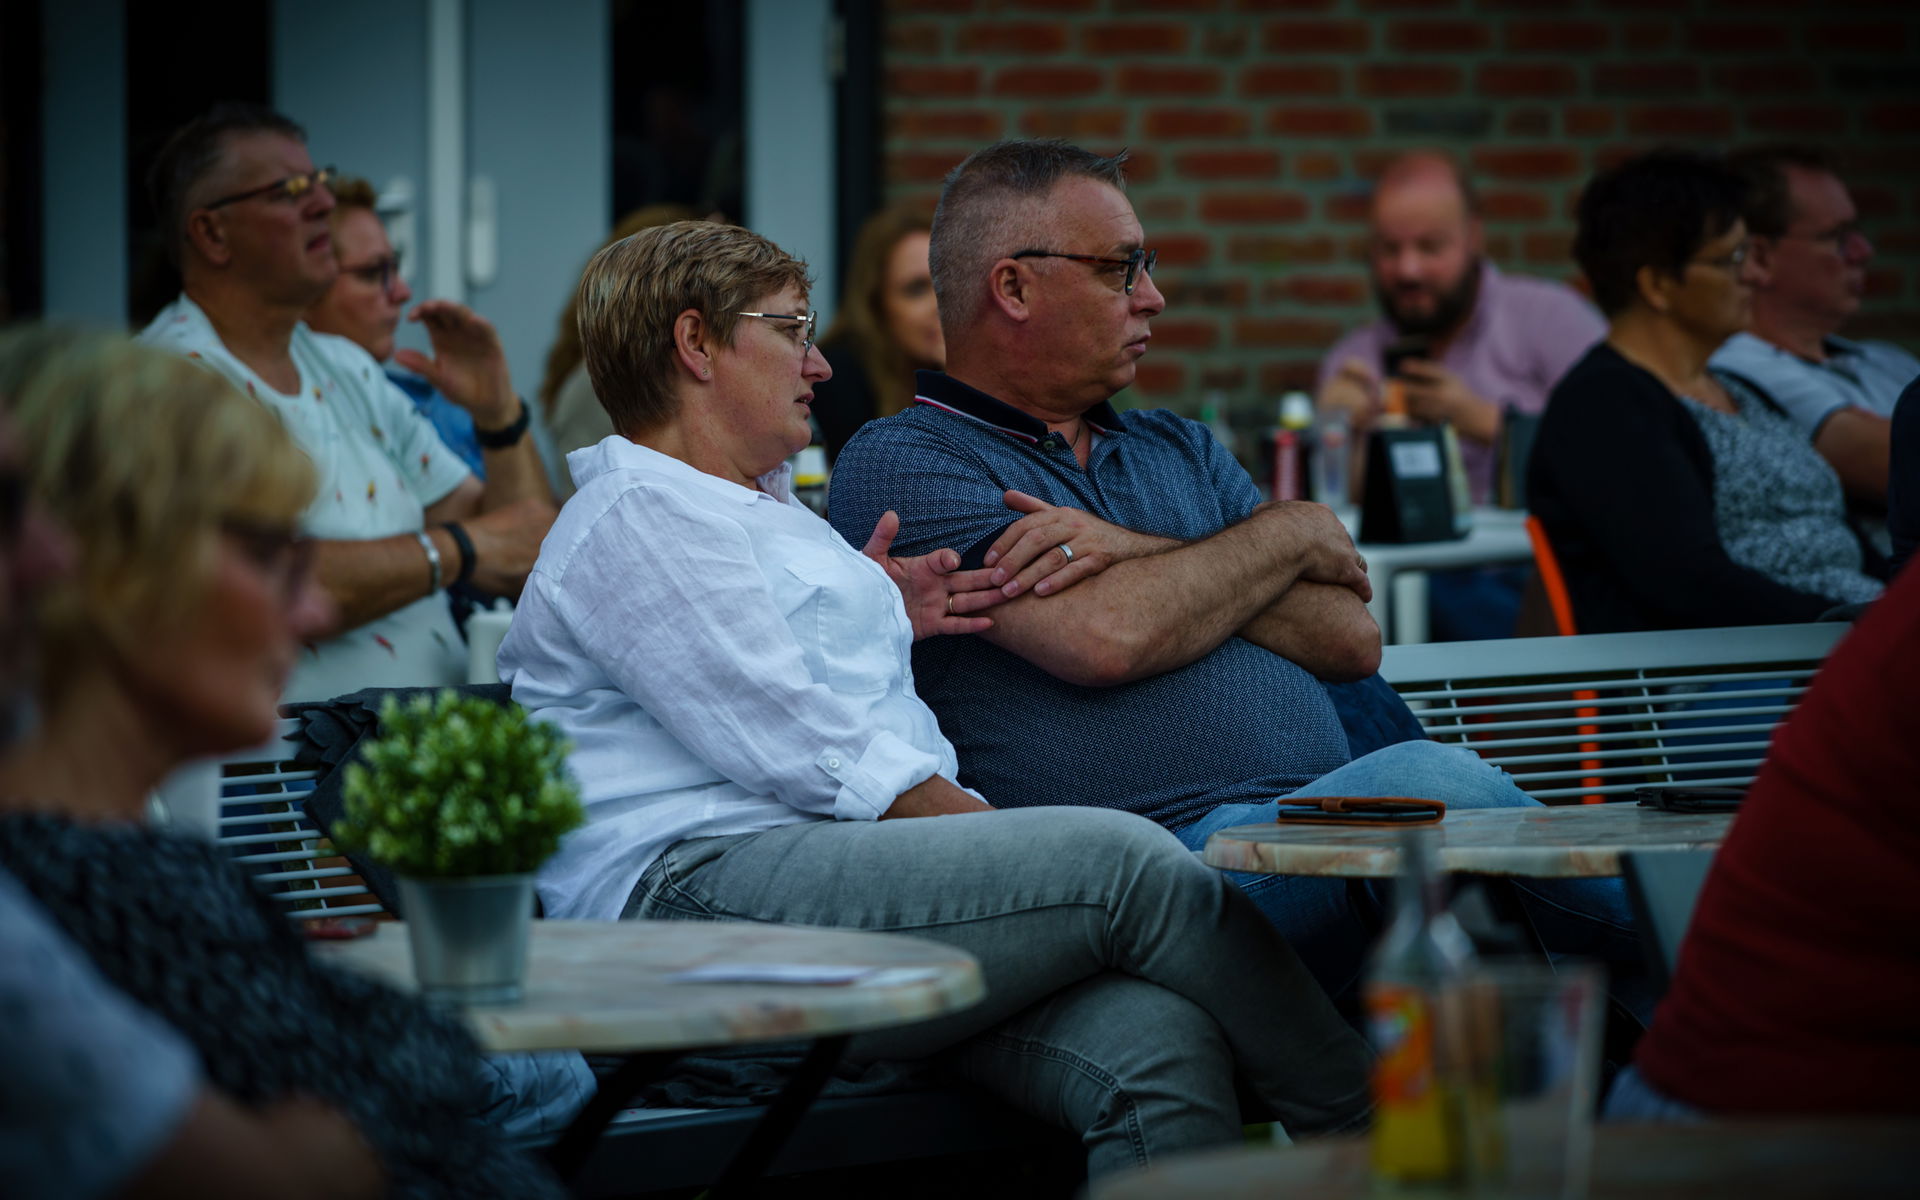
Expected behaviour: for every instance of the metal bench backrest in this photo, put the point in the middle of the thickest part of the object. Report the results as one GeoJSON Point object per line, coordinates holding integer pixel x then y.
{"type": "Point", "coordinates": [262, 824]}
{"type": "Point", "coordinates": [1598, 715]}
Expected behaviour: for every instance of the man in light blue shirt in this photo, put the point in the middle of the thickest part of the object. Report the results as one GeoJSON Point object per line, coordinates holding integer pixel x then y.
{"type": "Point", "coordinates": [1805, 235]}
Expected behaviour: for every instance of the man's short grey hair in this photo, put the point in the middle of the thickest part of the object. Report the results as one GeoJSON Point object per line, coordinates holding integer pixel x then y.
{"type": "Point", "coordinates": [990, 207]}
{"type": "Point", "coordinates": [192, 153]}
{"type": "Point", "coordinates": [1769, 210]}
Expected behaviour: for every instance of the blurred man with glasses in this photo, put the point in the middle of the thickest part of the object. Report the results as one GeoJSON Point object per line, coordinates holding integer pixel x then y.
{"type": "Point", "coordinates": [399, 516]}
{"type": "Point", "coordinates": [1806, 238]}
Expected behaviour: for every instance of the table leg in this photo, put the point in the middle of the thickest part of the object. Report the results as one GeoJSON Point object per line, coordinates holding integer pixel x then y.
{"type": "Point", "coordinates": [1381, 606]}
{"type": "Point", "coordinates": [1409, 608]}
{"type": "Point", "coordinates": [781, 1117]}
{"type": "Point", "coordinates": [615, 1092]}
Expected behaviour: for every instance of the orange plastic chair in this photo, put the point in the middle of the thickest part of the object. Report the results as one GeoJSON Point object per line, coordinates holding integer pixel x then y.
{"type": "Point", "coordinates": [1555, 585]}
{"type": "Point", "coordinates": [1551, 580]}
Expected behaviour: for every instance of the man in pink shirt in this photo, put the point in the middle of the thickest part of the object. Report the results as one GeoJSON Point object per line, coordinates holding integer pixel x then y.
{"type": "Point", "coordinates": [1495, 341]}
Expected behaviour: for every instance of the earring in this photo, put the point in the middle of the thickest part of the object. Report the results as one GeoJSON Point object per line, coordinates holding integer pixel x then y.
{"type": "Point", "coordinates": [704, 372]}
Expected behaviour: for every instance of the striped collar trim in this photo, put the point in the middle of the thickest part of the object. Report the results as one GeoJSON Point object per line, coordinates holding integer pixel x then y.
{"type": "Point", "coordinates": [937, 389]}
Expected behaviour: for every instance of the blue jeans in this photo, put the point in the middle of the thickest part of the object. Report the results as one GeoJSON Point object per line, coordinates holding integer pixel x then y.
{"type": "Point", "coordinates": [1332, 922]}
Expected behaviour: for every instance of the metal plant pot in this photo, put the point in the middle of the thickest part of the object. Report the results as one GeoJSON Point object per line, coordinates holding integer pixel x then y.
{"type": "Point", "coordinates": [469, 936]}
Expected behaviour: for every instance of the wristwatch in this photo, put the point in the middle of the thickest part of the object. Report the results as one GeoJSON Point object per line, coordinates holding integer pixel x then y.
{"type": "Point", "coordinates": [507, 435]}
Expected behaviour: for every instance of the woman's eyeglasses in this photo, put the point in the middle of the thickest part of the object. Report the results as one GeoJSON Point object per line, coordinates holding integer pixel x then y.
{"type": "Point", "coordinates": [1733, 260]}
{"type": "Point", "coordinates": [381, 272]}
{"type": "Point", "coordinates": [808, 319]}
{"type": "Point", "coordinates": [280, 552]}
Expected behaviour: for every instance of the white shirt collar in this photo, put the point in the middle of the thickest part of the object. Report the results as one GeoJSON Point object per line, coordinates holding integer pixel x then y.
{"type": "Point", "coordinates": [616, 453]}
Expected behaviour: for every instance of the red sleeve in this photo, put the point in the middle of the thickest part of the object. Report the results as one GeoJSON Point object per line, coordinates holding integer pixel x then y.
{"type": "Point", "coordinates": [1798, 987]}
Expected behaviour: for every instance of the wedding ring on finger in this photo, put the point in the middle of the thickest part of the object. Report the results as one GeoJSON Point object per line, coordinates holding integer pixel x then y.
{"type": "Point", "coordinates": [1066, 550]}
{"type": "Point", "coordinates": [949, 603]}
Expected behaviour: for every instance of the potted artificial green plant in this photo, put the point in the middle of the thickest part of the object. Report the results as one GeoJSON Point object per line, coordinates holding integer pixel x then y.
{"type": "Point", "coordinates": [463, 799]}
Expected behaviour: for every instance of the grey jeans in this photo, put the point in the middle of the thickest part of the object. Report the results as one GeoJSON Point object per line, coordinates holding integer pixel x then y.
{"type": "Point", "coordinates": [1126, 983]}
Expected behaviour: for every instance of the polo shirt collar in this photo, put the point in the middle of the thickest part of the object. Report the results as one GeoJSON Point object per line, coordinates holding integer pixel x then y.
{"type": "Point", "coordinates": [1838, 346]}
{"type": "Point", "coordinates": [937, 389]}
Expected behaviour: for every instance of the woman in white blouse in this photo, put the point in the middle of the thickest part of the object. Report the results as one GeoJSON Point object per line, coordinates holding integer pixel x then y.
{"type": "Point", "coordinates": [735, 679]}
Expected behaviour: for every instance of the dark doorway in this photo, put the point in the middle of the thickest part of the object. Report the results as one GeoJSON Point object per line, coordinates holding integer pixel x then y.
{"type": "Point", "coordinates": [22, 162]}
{"type": "Point", "coordinates": [176, 70]}
{"type": "Point", "coordinates": [677, 111]}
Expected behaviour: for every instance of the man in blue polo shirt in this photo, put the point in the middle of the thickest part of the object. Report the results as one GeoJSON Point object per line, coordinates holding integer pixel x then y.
{"type": "Point", "coordinates": [1180, 676]}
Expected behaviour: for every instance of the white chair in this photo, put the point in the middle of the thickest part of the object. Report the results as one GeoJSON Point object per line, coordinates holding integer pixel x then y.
{"type": "Point", "coordinates": [262, 824]}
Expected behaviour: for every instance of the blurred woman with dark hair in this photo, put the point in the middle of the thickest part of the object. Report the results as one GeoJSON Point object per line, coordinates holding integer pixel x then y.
{"type": "Point", "coordinates": [887, 328]}
{"type": "Point", "coordinates": [1675, 497]}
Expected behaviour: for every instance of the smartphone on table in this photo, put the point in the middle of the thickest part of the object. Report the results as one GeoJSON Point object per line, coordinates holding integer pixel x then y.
{"type": "Point", "coordinates": [1361, 810]}
{"type": "Point", "coordinates": [1691, 799]}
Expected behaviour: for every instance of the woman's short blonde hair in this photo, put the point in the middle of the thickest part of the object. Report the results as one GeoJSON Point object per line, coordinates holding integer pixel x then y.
{"type": "Point", "coordinates": [634, 290]}
{"type": "Point", "coordinates": [141, 456]}
{"type": "Point", "coordinates": [565, 354]}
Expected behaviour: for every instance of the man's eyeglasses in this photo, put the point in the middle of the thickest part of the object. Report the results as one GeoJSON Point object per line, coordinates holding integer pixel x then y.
{"type": "Point", "coordinates": [291, 188]}
{"type": "Point", "coordinates": [807, 319]}
{"type": "Point", "coordinates": [381, 271]}
{"type": "Point", "coordinates": [1139, 263]}
{"type": "Point", "coordinates": [1840, 237]}
{"type": "Point", "coordinates": [280, 552]}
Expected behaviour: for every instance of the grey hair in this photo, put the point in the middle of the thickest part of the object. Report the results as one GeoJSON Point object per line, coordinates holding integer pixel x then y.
{"type": "Point", "coordinates": [989, 205]}
{"type": "Point", "coordinates": [192, 153]}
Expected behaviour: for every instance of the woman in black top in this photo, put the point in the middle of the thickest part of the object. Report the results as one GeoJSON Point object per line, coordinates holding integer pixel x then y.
{"type": "Point", "coordinates": [1674, 497]}
{"type": "Point", "coordinates": [887, 328]}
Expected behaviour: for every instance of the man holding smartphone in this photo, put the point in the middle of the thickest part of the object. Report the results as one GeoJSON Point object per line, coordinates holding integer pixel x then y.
{"type": "Point", "coordinates": [1457, 343]}
{"type": "Point", "coordinates": [1459, 340]}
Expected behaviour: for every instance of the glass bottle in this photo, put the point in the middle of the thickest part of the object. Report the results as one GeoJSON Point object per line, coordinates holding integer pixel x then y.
{"type": "Point", "coordinates": [1428, 1123]}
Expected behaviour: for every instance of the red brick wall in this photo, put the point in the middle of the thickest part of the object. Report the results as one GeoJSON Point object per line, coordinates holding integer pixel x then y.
{"type": "Point", "coordinates": [1256, 123]}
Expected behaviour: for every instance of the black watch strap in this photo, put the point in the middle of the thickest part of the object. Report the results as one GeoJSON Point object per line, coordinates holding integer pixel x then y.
{"type": "Point", "coordinates": [460, 539]}
{"type": "Point", "coordinates": [510, 435]}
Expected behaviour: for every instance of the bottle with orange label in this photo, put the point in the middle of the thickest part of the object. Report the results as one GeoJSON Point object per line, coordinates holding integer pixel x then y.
{"type": "Point", "coordinates": [1430, 1123]}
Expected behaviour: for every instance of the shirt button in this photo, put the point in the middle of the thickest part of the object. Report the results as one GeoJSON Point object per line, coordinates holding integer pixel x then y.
{"type": "Point", "coordinates": [833, 764]}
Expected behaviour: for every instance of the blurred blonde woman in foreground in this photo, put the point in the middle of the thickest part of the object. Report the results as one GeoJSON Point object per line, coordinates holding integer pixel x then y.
{"type": "Point", "coordinates": [171, 639]}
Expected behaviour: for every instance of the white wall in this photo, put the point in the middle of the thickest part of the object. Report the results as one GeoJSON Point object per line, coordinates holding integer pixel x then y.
{"type": "Point", "coordinates": [540, 125]}
{"type": "Point", "coordinates": [361, 97]}
{"type": "Point", "coordinates": [84, 185]}
{"type": "Point", "coordinates": [537, 123]}
{"type": "Point", "coordinates": [790, 135]}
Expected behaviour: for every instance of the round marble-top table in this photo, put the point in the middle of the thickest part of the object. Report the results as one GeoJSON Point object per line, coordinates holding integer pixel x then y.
{"type": "Point", "coordinates": [1570, 841]}
{"type": "Point", "coordinates": [604, 986]}
{"type": "Point", "coordinates": [1759, 1159]}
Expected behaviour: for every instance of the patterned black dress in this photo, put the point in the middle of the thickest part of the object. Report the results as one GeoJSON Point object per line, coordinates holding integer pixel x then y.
{"type": "Point", "coordinates": [177, 926]}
